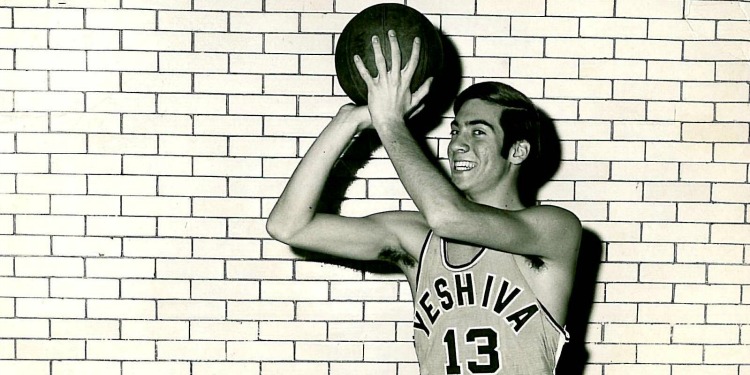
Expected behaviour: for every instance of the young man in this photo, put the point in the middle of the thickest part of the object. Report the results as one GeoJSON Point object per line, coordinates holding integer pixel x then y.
{"type": "Point", "coordinates": [491, 278]}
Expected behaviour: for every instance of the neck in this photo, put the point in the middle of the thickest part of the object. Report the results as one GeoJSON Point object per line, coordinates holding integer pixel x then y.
{"type": "Point", "coordinates": [504, 196]}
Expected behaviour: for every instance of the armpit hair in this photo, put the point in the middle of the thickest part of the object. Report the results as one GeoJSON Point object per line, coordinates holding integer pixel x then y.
{"type": "Point", "coordinates": [535, 262]}
{"type": "Point", "coordinates": [397, 256]}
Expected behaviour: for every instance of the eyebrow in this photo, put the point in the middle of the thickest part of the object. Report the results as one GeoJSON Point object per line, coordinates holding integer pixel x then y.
{"type": "Point", "coordinates": [475, 122]}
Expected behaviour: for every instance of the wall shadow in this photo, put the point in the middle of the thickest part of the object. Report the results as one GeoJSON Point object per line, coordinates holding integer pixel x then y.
{"type": "Point", "coordinates": [574, 355]}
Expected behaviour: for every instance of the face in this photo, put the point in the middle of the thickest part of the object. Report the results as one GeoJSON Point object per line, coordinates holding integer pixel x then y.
{"type": "Point", "coordinates": [474, 150]}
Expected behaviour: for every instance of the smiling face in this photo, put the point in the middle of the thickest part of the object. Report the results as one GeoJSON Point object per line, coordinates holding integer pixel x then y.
{"type": "Point", "coordinates": [476, 161]}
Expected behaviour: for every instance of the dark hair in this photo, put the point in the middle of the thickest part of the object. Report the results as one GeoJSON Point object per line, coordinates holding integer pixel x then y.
{"type": "Point", "coordinates": [519, 118]}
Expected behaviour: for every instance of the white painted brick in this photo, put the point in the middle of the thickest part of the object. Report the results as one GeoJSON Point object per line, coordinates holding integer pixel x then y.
{"type": "Point", "coordinates": [681, 70]}
{"type": "Point", "coordinates": [25, 367]}
{"type": "Point", "coordinates": [156, 206]}
{"type": "Point", "coordinates": [263, 63]}
{"type": "Point", "coordinates": [86, 246]}
{"type": "Point", "coordinates": [51, 183]}
{"type": "Point", "coordinates": [193, 62]}
{"type": "Point", "coordinates": [120, 226]}
{"type": "Point", "coordinates": [708, 294]}
{"type": "Point", "coordinates": [709, 253]}
{"type": "Point", "coordinates": [84, 288]}
{"type": "Point", "coordinates": [228, 42]}
{"type": "Point", "coordinates": [84, 39]}
{"type": "Point", "coordinates": [716, 10]}
{"type": "Point", "coordinates": [156, 82]}
{"type": "Point", "coordinates": [120, 268]}
{"type": "Point", "coordinates": [237, 290]}
{"type": "Point", "coordinates": [530, 26]}
{"type": "Point", "coordinates": [732, 71]}
{"type": "Point", "coordinates": [298, 85]}
{"type": "Point", "coordinates": [84, 81]}
{"type": "Point", "coordinates": [50, 60]}
{"type": "Point", "coordinates": [85, 163]}
{"type": "Point", "coordinates": [23, 38]}
{"type": "Point", "coordinates": [155, 289]}
{"type": "Point", "coordinates": [267, 22]}
{"type": "Point", "coordinates": [637, 334]}
{"type": "Point", "coordinates": [25, 328]}
{"type": "Point", "coordinates": [122, 144]}
{"type": "Point", "coordinates": [713, 172]}
{"type": "Point", "coordinates": [49, 225]}
{"type": "Point", "coordinates": [229, 83]}
{"type": "Point", "coordinates": [298, 43]}
{"type": "Point", "coordinates": [716, 50]}
{"type": "Point", "coordinates": [25, 245]}
{"type": "Point", "coordinates": [23, 80]}
{"type": "Point", "coordinates": [121, 19]}
{"type": "Point", "coordinates": [152, 247]}
{"type": "Point", "coordinates": [674, 151]}
{"type": "Point", "coordinates": [192, 227]}
{"type": "Point", "coordinates": [677, 192]}
{"type": "Point", "coordinates": [530, 8]}
{"type": "Point", "coordinates": [193, 186]}
{"type": "Point", "coordinates": [132, 350]}
{"type": "Point", "coordinates": [120, 102]}
{"type": "Point", "coordinates": [611, 150]}
{"type": "Point", "coordinates": [24, 204]}
{"type": "Point", "coordinates": [157, 165]}
{"type": "Point", "coordinates": [731, 193]}
{"type": "Point", "coordinates": [613, 27]}
{"type": "Point", "coordinates": [383, 352]}
{"type": "Point", "coordinates": [260, 310]}
{"type": "Point", "coordinates": [86, 367]}
{"type": "Point", "coordinates": [579, 48]}
{"type": "Point", "coordinates": [732, 111]}
{"type": "Point", "coordinates": [669, 353]}
{"type": "Point", "coordinates": [122, 185]}
{"type": "Point", "coordinates": [675, 232]}
{"type": "Point", "coordinates": [192, 21]}
{"type": "Point", "coordinates": [157, 4]}
{"type": "Point", "coordinates": [158, 367]}
{"type": "Point", "coordinates": [85, 122]}
{"type": "Point", "coordinates": [642, 211]}
{"type": "Point", "coordinates": [226, 207]}
{"type": "Point", "coordinates": [156, 40]}
{"type": "Point", "coordinates": [299, 6]}
{"type": "Point", "coordinates": [24, 122]}
{"type": "Point", "coordinates": [597, 8]}
{"type": "Point", "coordinates": [645, 171]}
{"type": "Point", "coordinates": [227, 166]}
{"type": "Point", "coordinates": [49, 101]}
{"type": "Point", "coordinates": [231, 5]}
{"type": "Point", "coordinates": [229, 125]}
{"type": "Point", "coordinates": [716, 132]}
{"type": "Point", "coordinates": [681, 29]}
{"type": "Point", "coordinates": [256, 187]}
{"type": "Point", "coordinates": [226, 330]}
{"type": "Point", "coordinates": [192, 103]}
{"type": "Point", "coordinates": [122, 60]}
{"type": "Point", "coordinates": [648, 49]}
{"type": "Point", "coordinates": [262, 270]}
{"type": "Point", "coordinates": [647, 90]}
{"type": "Point", "coordinates": [612, 109]}
{"type": "Point", "coordinates": [262, 105]}
{"type": "Point", "coordinates": [453, 7]}
{"type": "Point", "coordinates": [47, 18]}
{"type": "Point", "coordinates": [226, 248]}
{"type": "Point", "coordinates": [50, 349]}
{"type": "Point", "coordinates": [260, 351]}
{"type": "Point", "coordinates": [156, 124]}
{"type": "Point", "coordinates": [642, 8]}
{"type": "Point", "coordinates": [509, 47]}
{"type": "Point", "coordinates": [730, 233]}
{"type": "Point", "coordinates": [193, 310]}
{"type": "Point", "coordinates": [584, 89]}
{"type": "Point", "coordinates": [329, 351]}
{"type": "Point", "coordinates": [84, 205]}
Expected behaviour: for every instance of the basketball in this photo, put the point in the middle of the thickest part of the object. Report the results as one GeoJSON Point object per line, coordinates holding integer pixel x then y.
{"type": "Point", "coordinates": [356, 39]}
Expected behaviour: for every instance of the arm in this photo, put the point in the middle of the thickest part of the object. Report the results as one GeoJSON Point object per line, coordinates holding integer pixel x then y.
{"type": "Point", "coordinates": [547, 232]}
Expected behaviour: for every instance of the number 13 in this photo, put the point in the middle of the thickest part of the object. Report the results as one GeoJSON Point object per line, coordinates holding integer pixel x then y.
{"type": "Point", "coordinates": [485, 340]}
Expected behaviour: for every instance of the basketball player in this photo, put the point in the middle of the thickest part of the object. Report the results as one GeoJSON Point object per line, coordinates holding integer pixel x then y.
{"type": "Point", "coordinates": [491, 278]}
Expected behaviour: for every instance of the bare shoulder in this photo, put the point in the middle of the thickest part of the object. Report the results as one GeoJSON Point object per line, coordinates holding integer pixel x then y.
{"type": "Point", "coordinates": [555, 227]}
{"type": "Point", "coordinates": [410, 228]}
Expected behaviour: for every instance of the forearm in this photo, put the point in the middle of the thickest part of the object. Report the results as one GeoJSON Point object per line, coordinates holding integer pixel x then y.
{"type": "Point", "coordinates": [296, 205]}
{"type": "Point", "coordinates": [431, 192]}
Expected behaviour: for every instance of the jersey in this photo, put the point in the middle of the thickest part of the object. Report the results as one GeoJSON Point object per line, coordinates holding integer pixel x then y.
{"type": "Point", "coordinates": [481, 317]}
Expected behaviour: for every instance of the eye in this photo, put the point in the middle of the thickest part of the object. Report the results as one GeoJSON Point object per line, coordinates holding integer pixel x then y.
{"type": "Point", "coordinates": [478, 132]}
{"type": "Point", "coordinates": [454, 132]}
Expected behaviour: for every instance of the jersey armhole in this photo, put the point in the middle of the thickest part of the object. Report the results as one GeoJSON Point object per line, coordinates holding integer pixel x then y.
{"type": "Point", "coordinates": [426, 244]}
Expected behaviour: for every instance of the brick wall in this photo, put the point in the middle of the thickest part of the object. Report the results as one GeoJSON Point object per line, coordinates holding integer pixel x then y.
{"type": "Point", "coordinates": [143, 144]}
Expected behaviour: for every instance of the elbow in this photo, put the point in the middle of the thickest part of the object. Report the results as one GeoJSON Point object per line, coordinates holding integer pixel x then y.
{"type": "Point", "coordinates": [443, 221]}
{"type": "Point", "coordinates": [277, 229]}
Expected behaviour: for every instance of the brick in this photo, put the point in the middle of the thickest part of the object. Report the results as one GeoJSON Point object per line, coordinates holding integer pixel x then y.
{"type": "Point", "coordinates": [193, 62]}
{"type": "Point", "coordinates": [679, 191]}
{"type": "Point", "coordinates": [612, 109]}
{"type": "Point", "coordinates": [49, 101]}
{"type": "Point", "coordinates": [266, 22]}
{"type": "Point", "coordinates": [21, 328]}
{"type": "Point", "coordinates": [260, 269]}
{"type": "Point", "coordinates": [297, 85]}
{"type": "Point", "coordinates": [193, 145]}
{"type": "Point", "coordinates": [49, 224]}
{"type": "Point", "coordinates": [122, 144]}
{"type": "Point", "coordinates": [85, 122]}
{"type": "Point", "coordinates": [120, 268]}
{"type": "Point", "coordinates": [262, 146]}
{"type": "Point", "coordinates": [86, 367]}
{"type": "Point", "coordinates": [613, 27]}
{"type": "Point", "coordinates": [715, 132]}
{"type": "Point", "coordinates": [641, 292]}
{"type": "Point", "coordinates": [50, 349]}
{"type": "Point", "coordinates": [24, 204]}
{"type": "Point", "coordinates": [648, 49]}
{"type": "Point", "coordinates": [673, 273]}
{"type": "Point", "coordinates": [732, 71]}
{"type": "Point", "coordinates": [709, 253]}
{"type": "Point", "coordinates": [192, 310]}
{"type": "Point", "coordinates": [320, 106]}
{"type": "Point", "coordinates": [265, 310]}
{"type": "Point", "coordinates": [191, 350]}
{"type": "Point", "coordinates": [361, 331]}
{"type": "Point", "coordinates": [363, 368]}
{"type": "Point", "coordinates": [716, 92]}
{"type": "Point", "coordinates": [120, 309]}
{"type": "Point", "coordinates": [329, 351]}
{"type": "Point", "coordinates": [247, 228]}
{"type": "Point", "coordinates": [156, 206]}
{"type": "Point", "coordinates": [19, 245]}
{"type": "Point", "coordinates": [120, 226]}
{"type": "Point", "coordinates": [642, 211]}
{"type": "Point", "coordinates": [302, 291]}
{"type": "Point", "coordinates": [225, 290]}
{"type": "Point", "coordinates": [84, 329]}
{"type": "Point", "coordinates": [681, 29]}
{"type": "Point", "coordinates": [24, 122]}
{"type": "Point", "coordinates": [716, 50]}
{"type": "Point", "coordinates": [730, 193]}
{"type": "Point", "coordinates": [612, 190]}
{"type": "Point", "coordinates": [226, 248]}
{"type": "Point", "coordinates": [156, 165]}
{"type": "Point", "coordinates": [298, 43]}
{"type": "Point", "coordinates": [673, 353]}
{"type": "Point", "coordinates": [122, 185]}
{"type": "Point", "coordinates": [727, 354]}
{"type": "Point", "coordinates": [713, 10]}
{"type": "Point", "coordinates": [680, 71]}
{"type": "Point", "coordinates": [330, 311]}
{"type": "Point", "coordinates": [228, 42]}
{"type": "Point", "coordinates": [122, 61]}
{"type": "Point", "coordinates": [156, 40]}
{"type": "Point", "coordinates": [707, 294]}
{"type": "Point", "coordinates": [85, 39]}
{"type": "Point", "coordinates": [24, 287]}
{"type": "Point", "coordinates": [637, 334]}
{"type": "Point", "coordinates": [383, 352]}
{"type": "Point", "coordinates": [625, 151]}
{"type": "Point", "coordinates": [727, 314]}
{"type": "Point", "coordinates": [527, 26]}
{"type": "Point", "coordinates": [50, 308]}
{"type": "Point", "coordinates": [47, 18]}
{"type": "Point", "coordinates": [120, 102]}
{"type": "Point", "coordinates": [226, 207]}
{"type": "Point", "coordinates": [189, 269]}
{"type": "Point", "coordinates": [50, 60]}
{"type": "Point", "coordinates": [641, 8]}
{"type": "Point", "coordinates": [127, 350]}
{"type": "Point", "coordinates": [155, 367]}
{"type": "Point", "coordinates": [193, 186]}
{"type": "Point", "coordinates": [682, 151]}
{"type": "Point", "coordinates": [156, 247]}
{"type": "Point", "coordinates": [228, 368]}
{"type": "Point", "coordinates": [509, 47]}
{"type": "Point", "coordinates": [86, 246]}
{"type": "Point", "coordinates": [84, 288]}
{"type": "Point", "coordinates": [613, 69]}
{"type": "Point", "coordinates": [229, 83]}
{"type": "Point", "coordinates": [675, 232]}
{"type": "Point", "coordinates": [645, 171]}
{"type": "Point", "coordinates": [25, 367]}
{"type": "Point", "coordinates": [51, 143]}
{"type": "Point", "coordinates": [85, 163]}
{"type": "Point", "coordinates": [85, 205]}
{"type": "Point", "coordinates": [192, 103]}
{"type": "Point", "coordinates": [192, 227]}
{"type": "Point", "coordinates": [732, 111]}
{"type": "Point", "coordinates": [727, 274]}
{"type": "Point", "coordinates": [155, 289]}
{"type": "Point", "coordinates": [715, 172]}
{"type": "Point", "coordinates": [230, 5]}
{"type": "Point", "coordinates": [531, 8]}
{"type": "Point", "coordinates": [617, 272]}
{"type": "Point", "coordinates": [192, 21]}
{"type": "Point", "coordinates": [262, 105]}
{"type": "Point", "coordinates": [228, 125]}
{"type": "Point", "coordinates": [579, 48]}
{"type": "Point", "coordinates": [299, 6]}
{"type": "Point", "coordinates": [389, 311]}
{"type": "Point", "coordinates": [260, 351]}
{"type": "Point", "coordinates": [287, 331]}
{"type": "Point", "coordinates": [227, 166]}
{"type": "Point", "coordinates": [711, 213]}
{"type": "Point", "coordinates": [84, 81]}
{"type": "Point", "coordinates": [23, 80]}
{"type": "Point", "coordinates": [156, 82]}
{"type": "Point", "coordinates": [598, 8]}
{"type": "Point", "coordinates": [23, 38]}
{"type": "Point", "coordinates": [49, 183]}
{"type": "Point", "coordinates": [155, 330]}
{"type": "Point", "coordinates": [584, 89]}
{"type": "Point", "coordinates": [647, 90]}
{"type": "Point", "coordinates": [121, 19]}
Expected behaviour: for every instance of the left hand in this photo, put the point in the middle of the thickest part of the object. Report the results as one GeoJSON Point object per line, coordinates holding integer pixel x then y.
{"type": "Point", "coordinates": [389, 97]}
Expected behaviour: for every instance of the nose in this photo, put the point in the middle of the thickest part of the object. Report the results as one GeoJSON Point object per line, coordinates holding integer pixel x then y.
{"type": "Point", "coordinates": [458, 144]}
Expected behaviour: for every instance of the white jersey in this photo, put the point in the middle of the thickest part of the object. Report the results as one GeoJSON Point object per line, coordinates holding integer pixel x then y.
{"type": "Point", "coordinates": [481, 317]}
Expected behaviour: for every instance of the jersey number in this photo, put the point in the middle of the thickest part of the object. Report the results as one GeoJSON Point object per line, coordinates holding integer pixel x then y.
{"type": "Point", "coordinates": [485, 341]}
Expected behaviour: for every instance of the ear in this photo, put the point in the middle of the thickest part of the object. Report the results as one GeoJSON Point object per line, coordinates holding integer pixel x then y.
{"type": "Point", "coordinates": [519, 152]}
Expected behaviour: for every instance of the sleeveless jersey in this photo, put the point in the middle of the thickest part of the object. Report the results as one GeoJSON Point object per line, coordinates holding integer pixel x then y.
{"type": "Point", "coordinates": [481, 317]}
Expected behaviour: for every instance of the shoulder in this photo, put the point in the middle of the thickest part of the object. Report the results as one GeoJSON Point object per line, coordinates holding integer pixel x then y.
{"type": "Point", "coordinates": [555, 227]}
{"type": "Point", "coordinates": [553, 215]}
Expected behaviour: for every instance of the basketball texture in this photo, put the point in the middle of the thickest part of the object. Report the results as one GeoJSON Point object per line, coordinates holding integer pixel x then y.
{"type": "Point", "coordinates": [356, 39]}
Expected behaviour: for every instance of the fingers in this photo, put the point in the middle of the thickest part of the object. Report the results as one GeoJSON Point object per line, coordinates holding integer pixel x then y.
{"type": "Point", "coordinates": [411, 66]}
{"type": "Point", "coordinates": [422, 91]}
{"type": "Point", "coordinates": [363, 72]}
{"type": "Point", "coordinates": [395, 51]}
{"type": "Point", "coordinates": [379, 58]}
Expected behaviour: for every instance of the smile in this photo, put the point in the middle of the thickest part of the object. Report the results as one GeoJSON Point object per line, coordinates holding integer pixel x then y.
{"type": "Point", "coordinates": [461, 165]}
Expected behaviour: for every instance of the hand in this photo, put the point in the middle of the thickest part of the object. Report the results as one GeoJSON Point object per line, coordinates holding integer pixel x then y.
{"type": "Point", "coordinates": [389, 96]}
{"type": "Point", "coordinates": [358, 115]}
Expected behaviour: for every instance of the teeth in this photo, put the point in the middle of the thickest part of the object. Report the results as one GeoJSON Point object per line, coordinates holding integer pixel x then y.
{"type": "Point", "coordinates": [463, 165]}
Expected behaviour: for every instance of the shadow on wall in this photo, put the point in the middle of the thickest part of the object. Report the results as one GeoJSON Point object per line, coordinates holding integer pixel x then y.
{"type": "Point", "coordinates": [442, 93]}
